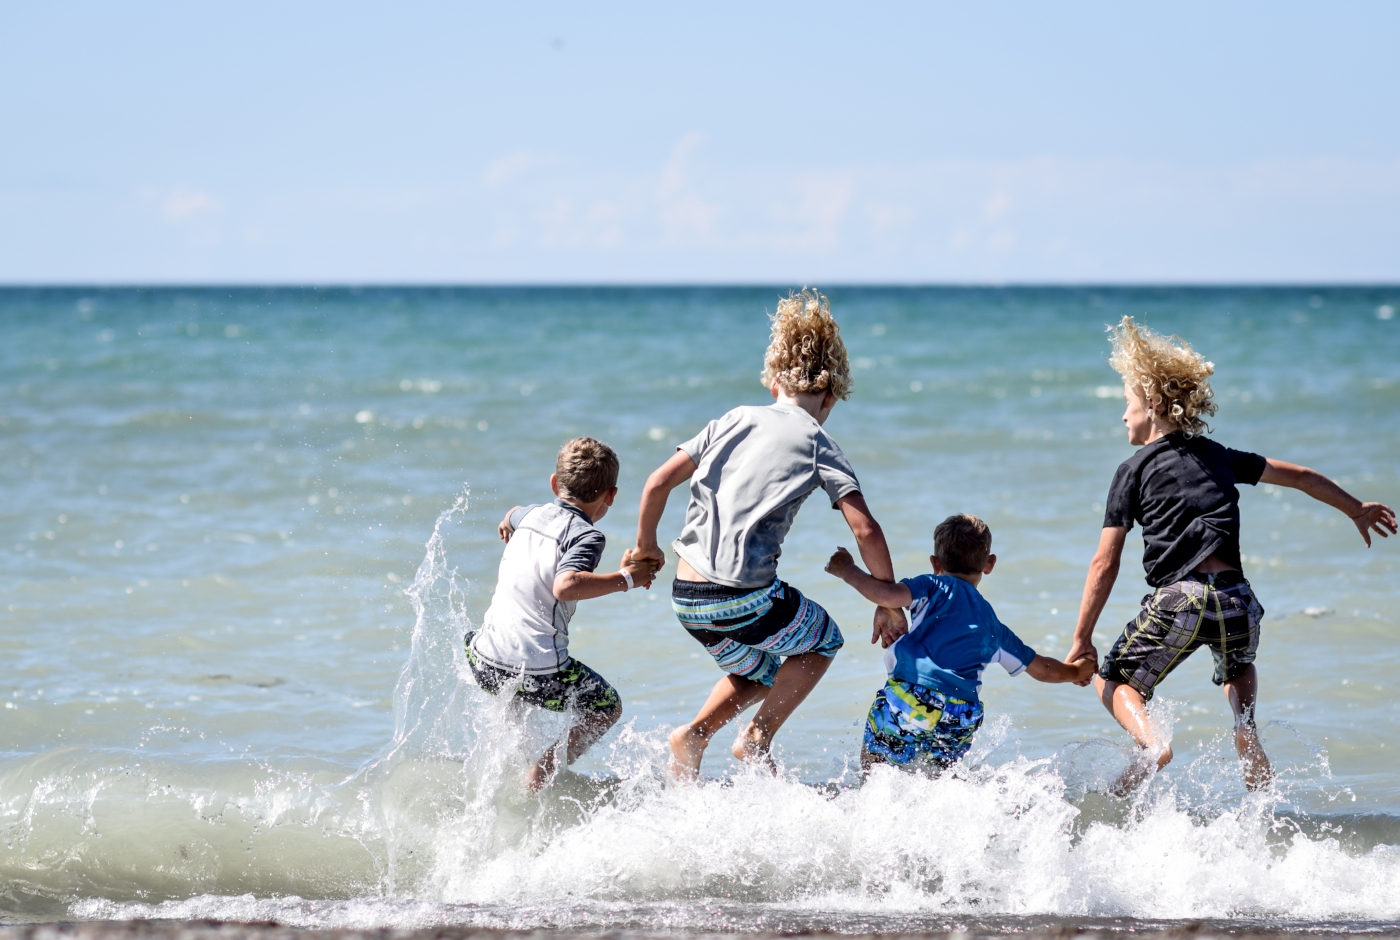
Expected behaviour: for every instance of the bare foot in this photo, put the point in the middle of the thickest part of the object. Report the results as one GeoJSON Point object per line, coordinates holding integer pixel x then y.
{"type": "Point", "coordinates": [1258, 774]}
{"type": "Point", "coordinates": [687, 750]}
{"type": "Point", "coordinates": [753, 748]}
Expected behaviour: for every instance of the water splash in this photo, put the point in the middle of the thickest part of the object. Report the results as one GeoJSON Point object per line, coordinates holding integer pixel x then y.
{"type": "Point", "coordinates": [436, 829]}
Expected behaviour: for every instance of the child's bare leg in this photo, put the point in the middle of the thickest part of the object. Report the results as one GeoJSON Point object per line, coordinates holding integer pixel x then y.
{"type": "Point", "coordinates": [796, 678]}
{"type": "Point", "coordinates": [1241, 692]}
{"type": "Point", "coordinates": [730, 696]}
{"type": "Point", "coordinates": [582, 734]}
{"type": "Point", "coordinates": [1128, 708]}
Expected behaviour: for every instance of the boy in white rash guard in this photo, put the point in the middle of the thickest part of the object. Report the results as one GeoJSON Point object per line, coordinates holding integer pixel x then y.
{"type": "Point", "coordinates": [749, 472]}
{"type": "Point", "coordinates": [929, 709]}
{"type": "Point", "coordinates": [1182, 488]}
{"type": "Point", "coordinates": [546, 569]}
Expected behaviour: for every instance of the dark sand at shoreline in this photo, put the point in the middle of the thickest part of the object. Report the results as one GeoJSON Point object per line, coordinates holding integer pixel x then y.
{"type": "Point", "coordinates": [1106, 929]}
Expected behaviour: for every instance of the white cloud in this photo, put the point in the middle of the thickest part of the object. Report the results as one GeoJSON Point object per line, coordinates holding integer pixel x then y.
{"type": "Point", "coordinates": [684, 216]}
{"type": "Point", "coordinates": [512, 165]}
{"type": "Point", "coordinates": [182, 203]}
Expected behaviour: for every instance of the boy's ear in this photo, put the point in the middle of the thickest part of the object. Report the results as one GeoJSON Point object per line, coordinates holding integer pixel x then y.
{"type": "Point", "coordinates": [774, 388]}
{"type": "Point", "coordinates": [937, 565]}
{"type": "Point", "coordinates": [609, 496]}
{"type": "Point", "coordinates": [991, 563]}
{"type": "Point", "coordinates": [554, 483]}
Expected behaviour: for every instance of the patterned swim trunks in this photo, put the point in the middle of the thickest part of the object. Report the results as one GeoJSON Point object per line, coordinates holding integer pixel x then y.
{"type": "Point", "coordinates": [748, 630]}
{"type": "Point", "coordinates": [911, 723]}
{"type": "Point", "coordinates": [574, 684]}
{"type": "Point", "coordinates": [1216, 611]}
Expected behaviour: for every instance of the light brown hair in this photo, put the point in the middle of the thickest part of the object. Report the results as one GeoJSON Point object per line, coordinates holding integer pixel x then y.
{"type": "Point", "coordinates": [962, 543]}
{"type": "Point", "coordinates": [1166, 372]}
{"type": "Point", "coordinates": [806, 353]}
{"type": "Point", "coordinates": [586, 469]}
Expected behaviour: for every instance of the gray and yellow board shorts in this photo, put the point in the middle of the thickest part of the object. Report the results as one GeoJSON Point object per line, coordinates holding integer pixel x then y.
{"type": "Point", "coordinates": [1219, 612]}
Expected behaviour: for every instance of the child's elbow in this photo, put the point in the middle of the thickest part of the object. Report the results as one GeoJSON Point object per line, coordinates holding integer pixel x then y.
{"type": "Point", "coordinates": [564, 585]}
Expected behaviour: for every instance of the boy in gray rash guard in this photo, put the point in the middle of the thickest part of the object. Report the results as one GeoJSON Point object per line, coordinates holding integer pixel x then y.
{"type": "Point", "coordinates": [1182, 488]}
{"type": "Point", "coordinates": [749, 473]}
{"type": "Point", "coordinates": [548, 566]}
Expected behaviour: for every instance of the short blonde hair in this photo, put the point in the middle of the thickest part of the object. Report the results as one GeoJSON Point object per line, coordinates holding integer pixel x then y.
{"type": "Point", "coordinates": [806, 353]}
{"type": "Point", "coordinates": [586, 469]}
{"type": "Point", "coordinates": [1167, 371]}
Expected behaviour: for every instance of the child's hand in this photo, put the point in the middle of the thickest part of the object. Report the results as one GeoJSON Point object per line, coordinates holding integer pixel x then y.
{"type": "Point", "coordinates": [840, 563]}
{"type": "Point", "coordinates": [1375, 516]}
{"type": "Point", "coordinates": [1084, 670]}
{"type": "Point", "coordinates": [505, 530]}
{"type": "Point", "coordinates": [642, 569]}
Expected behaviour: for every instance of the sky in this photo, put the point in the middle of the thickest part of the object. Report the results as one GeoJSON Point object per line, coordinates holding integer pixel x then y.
{"type": "Point", "coordinates": [1076, 142]}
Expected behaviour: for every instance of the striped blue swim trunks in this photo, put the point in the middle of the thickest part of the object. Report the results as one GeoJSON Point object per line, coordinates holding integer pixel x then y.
{"type": "Point", "coordinates": [749, 630]}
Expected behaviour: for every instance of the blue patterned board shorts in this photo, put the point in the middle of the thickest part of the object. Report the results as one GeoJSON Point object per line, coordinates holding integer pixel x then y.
{"type": "Point", "coordinates": [748, 630]}
{"type": "Point", "coordinates": [911, 723]}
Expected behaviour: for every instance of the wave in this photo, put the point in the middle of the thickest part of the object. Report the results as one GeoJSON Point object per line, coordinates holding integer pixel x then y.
{"type": "Point", "coordinates": [437, 829]}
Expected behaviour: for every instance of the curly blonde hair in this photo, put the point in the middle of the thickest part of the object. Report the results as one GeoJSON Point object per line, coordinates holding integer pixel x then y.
{"type": "Point", "coordinates": [806, 353]}
{"type": "Point", "coordinates": [1168, 373]}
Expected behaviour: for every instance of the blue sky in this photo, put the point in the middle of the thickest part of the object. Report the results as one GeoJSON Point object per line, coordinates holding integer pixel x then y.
{"type": "Point", "coordinates": [1071, 142]}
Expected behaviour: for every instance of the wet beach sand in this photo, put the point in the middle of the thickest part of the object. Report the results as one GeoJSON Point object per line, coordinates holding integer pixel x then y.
{"type": "Point", "coordinates": [1027, 928]}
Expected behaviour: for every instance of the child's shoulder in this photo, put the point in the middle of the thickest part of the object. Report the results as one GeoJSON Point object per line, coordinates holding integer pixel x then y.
{"type": "Point", "coordinates": [927, 586]}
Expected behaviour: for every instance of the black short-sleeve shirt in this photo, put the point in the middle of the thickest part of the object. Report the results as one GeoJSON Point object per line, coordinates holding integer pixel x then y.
{"type": "Point", "coordinates": [1182, 491]}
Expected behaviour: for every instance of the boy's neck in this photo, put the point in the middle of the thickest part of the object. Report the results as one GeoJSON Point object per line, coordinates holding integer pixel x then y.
{"type": "Point", "coordinates": [586, 508]}
{"type": "Point", "coordinates": [972, 579]}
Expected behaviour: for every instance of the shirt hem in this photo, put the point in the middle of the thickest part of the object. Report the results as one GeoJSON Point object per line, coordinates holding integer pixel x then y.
{"type": "Point", "coordinates": [519, 667]}
{"type": "Point", "coordinates": [705, 572]}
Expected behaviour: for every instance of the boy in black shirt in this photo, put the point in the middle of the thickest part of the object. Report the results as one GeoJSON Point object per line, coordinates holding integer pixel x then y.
{"type": "Point", "coordinates": [1181, 487]}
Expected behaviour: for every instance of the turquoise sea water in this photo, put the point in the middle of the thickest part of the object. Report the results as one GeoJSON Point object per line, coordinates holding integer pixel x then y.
{"type": "Point", "coordinates": [245, 529]}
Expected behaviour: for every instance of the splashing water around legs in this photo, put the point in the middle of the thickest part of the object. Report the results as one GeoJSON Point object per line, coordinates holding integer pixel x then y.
{"type": "Point", "coordinates": [1242, 692]}
{"type": "Point", "coordinates": [1129, 709]}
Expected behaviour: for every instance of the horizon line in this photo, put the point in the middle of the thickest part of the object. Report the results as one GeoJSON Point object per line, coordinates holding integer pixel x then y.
{"type": "Point", "coordinates": [696, 285]}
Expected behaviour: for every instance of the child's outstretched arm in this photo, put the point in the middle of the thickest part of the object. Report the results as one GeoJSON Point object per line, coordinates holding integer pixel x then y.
{"type": "Point", "coordinates": [889, 624]}
{"type": "Point", "coordinates": [1368, 517]}
{"type": "Point", "coordinates": [880, 593]}
{"type": "Point", "coordinates": [659, 485]}
{"type": "Point", "coordinates": [1045, 669]}
{"type": "Point", "coordinates": [586, 585]}
{"type": "Point", "coordinates": [1098, 585]}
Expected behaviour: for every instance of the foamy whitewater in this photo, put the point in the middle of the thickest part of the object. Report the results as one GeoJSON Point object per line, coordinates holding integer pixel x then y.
{"type": "Point", "coordinates": [205, 625]}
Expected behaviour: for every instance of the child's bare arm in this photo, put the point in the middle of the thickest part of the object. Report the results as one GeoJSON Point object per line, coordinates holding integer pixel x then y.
{"type": "Point", "coordinates": [585, 585]}
{"type": "Point", "coordinates": [1045, 669]}
{"type": "Point", "coordinates": [881, 593]}
{"type": "Point", "coordinates": [659, 485]}
{"type": "Point", "coordinates": [1368, 517]}
{"type": "Point", "coordinates": [889, 624]}
{"type": "Point", "coordinates": [1098, 585]}
{"type": "Point", "coordinates": [505, 530]}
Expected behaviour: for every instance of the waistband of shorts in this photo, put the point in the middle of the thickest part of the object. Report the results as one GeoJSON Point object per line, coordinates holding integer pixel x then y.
{"type": "Point", "coordinates": [708, 591]}
{"type": "Point", "coordinates": [1221, 579]}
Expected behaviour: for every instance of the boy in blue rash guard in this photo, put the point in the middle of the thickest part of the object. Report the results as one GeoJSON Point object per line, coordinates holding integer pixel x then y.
{"type": "Point", "coordinates": [928, 710]}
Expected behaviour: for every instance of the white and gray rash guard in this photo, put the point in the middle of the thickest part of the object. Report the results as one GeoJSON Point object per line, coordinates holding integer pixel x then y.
{"type": "Point", "coordinates": [526, 628]}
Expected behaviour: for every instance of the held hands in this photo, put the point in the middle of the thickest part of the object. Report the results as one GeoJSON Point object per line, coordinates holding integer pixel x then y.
{"type": "Point", "coordinates": [1375, 517]}
{"type": "Point", "coordinates": [889, 625]}
{"type": "Point", "coordinates": [1084, 667]}
{"type": "Point", "coordinates": [642, 568]}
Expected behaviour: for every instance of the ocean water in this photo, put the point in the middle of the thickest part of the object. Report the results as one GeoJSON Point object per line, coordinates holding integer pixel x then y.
{"type": "Point", "coordinates": [245, 530]}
